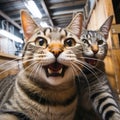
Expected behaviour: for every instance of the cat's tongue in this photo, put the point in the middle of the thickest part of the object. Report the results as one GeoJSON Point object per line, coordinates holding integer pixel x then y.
{"type": "Point", "coordinates": [91, 62]}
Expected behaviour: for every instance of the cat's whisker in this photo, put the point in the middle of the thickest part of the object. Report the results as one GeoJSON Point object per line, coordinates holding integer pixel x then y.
{"type": "Point", "coordinates": [33, 70]}
{"type": "Point", "coordinates": [29, 66]}
{"type": "Point", "coordinates": [7, 69]}
{"type": "Point", "coordinates": [38, 69]}
{"type": "Point", "coordinates": [85, 65]}
{"type": "Point", "coordinates": [84, 77]}
{"type": "Point", "coordinates": [88, 68]}
{"type": "Point", "coordinates": [17, 64]}
{"type": "Point", "coordinates": [90, 58]}
{"type": "Point", "coordinates": [73, 69]}
{"type": "Point", "coordinates": [11, 67]}
{"type": "Point", "coordinates": [91, 67]}
{"type": "Point", "coordinates": [92, 71]}
{"type": "Point", "coordinates": [2, 64]}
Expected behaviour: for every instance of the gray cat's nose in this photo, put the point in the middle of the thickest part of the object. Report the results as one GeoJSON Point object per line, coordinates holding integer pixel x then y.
{"type": "Point", "coordinates": [95, 48]}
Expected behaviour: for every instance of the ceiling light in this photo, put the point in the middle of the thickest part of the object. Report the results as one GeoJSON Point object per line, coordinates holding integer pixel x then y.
{"type": "Point", "coordinates": [32, 7]}
{"type": "Point", "coordinates": [10, 36]}
{"type": "Point", "coordinates": [44, 24]}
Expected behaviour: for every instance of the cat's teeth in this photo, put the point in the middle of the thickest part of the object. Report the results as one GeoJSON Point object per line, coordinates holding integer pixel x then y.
{"type": "Point", "coordinates": [49, 71]}
{"type": "Point", "coordinates": [60, 71]}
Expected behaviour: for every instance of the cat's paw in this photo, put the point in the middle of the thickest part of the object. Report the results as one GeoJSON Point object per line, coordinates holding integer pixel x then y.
{"type": "Point", "coordinates": [116, 116]}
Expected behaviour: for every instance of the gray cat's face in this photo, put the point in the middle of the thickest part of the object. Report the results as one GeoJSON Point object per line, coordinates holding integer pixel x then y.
{"type": "Point", "coordinates": [95, 42]}
{"type": "Point", "coordinates": [94, 46]}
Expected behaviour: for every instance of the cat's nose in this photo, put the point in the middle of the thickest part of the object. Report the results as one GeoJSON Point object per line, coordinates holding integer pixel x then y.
{"type": "Point", "coordinates": [56, 48]}
{"type": "Point", "coordinates": [56, 52]}
{"type": "Point", "coordinates": [95, 49]}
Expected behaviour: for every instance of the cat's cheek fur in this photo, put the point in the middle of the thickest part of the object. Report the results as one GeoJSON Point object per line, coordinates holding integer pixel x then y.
{"type": "Point", "coordinates": [66, 58]}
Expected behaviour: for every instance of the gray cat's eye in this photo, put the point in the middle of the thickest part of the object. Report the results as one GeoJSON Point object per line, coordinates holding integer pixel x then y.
{"type": "Point", "coordinates": [85, 41]}
{"type": "Point", "coordinates": [100, 42]}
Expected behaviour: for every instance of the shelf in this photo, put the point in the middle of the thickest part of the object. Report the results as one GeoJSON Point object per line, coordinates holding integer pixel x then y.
{"type": "Point", "coordinates": [8, 56]}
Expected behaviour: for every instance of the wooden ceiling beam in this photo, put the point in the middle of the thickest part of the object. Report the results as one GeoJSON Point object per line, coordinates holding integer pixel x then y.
{"type": "Point", "coordinates": [67, 12]}
{"type": "Point", "coordinates": [67, 4]}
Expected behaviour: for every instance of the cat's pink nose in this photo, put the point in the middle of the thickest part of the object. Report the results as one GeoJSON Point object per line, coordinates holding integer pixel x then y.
{"type": "Point", "coordinates": [94, 49]}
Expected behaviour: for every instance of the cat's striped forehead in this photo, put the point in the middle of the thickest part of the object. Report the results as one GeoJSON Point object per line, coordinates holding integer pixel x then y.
{"type": "Point", "coordinates": [55, 33]}
{"type": "Point", "coordinates": [92, 35]}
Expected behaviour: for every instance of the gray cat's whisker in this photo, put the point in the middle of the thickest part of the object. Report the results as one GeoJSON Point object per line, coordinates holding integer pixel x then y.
{"type": "Point", "coordinates": [90, 58]}
{"type": "Point", "coordinates": [84, 77]}
{"type": "Point", "coordinates": [89, 69]}
{"type": "Point", "coordinates": [91, 66]}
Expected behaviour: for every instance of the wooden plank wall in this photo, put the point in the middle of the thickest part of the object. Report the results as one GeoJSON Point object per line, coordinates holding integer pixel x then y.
{"type": "Point", "coordinates": [102, 10]}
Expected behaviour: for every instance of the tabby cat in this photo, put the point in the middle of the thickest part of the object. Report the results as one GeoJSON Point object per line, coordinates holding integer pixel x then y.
{"type": "Point", "coordinates": [45, 88]}
{"type": "Point", "coordinates": [100, 93]}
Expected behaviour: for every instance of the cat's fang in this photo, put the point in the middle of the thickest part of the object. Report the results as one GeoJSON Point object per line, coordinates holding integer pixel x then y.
{"type": "Point", "coordinates": [55, 69]}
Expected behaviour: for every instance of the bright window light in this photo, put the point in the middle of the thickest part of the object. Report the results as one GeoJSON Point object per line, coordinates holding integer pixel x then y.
{"type": "Point", "coordinates": [32, 7]}
{"type": "Point", "coordinates": [10, 36]}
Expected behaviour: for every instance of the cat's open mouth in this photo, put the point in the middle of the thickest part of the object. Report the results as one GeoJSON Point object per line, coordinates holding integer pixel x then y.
{"type": "Point", "coordinates": [91, 62]}
{"type": "Point", "coordinates": [55, 69]}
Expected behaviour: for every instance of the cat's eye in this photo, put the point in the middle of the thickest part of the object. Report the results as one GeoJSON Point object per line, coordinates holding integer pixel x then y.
{"type": "Point", "coordinates": [69, 42]}
{"type": "Point", "coordinates": [100, 42]}
{"type": "Point", "coordinates": [85, 41]}
{"type": "Point", "coordinates": [41, 42]}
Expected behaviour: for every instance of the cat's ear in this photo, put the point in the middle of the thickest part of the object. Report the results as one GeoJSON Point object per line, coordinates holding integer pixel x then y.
{"type": "Point", "coordinates": [106, 26]}
{"type": "Point", "coordinates": [28, 24]}
{"type": "Point", "coordinates": [75, 25]}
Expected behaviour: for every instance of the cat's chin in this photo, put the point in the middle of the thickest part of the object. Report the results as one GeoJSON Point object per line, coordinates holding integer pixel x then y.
{"type": "Point", "coordinates": [55, 70]}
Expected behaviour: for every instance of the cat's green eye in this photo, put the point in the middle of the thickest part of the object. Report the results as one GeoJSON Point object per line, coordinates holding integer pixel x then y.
{"type": "Point", "coordinates": [41, 42]}
{"type": "Point", "coordinates": [100, 42]}
{"type": "Point", "coordinates": [69, 42]}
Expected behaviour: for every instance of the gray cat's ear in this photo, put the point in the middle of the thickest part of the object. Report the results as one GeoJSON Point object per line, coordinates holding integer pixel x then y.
{"type": "Point", "coordinates": [106, 26]}
{"type": "Point", "coordinates": [28, 24]}
{"type": "Point", "coordinates": [75, 25]}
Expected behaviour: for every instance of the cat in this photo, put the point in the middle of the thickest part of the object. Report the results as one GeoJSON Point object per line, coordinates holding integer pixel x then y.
{"type": "Point", "coordinates": [45, 88]}
{"type": "Point", "coordinates": [99, 91]}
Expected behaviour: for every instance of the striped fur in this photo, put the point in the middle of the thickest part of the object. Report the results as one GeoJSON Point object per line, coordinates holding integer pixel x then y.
{"type": "Point", "coordinates": [101, 95]}
{"type": "Point", "coordinates": [45, 88]}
